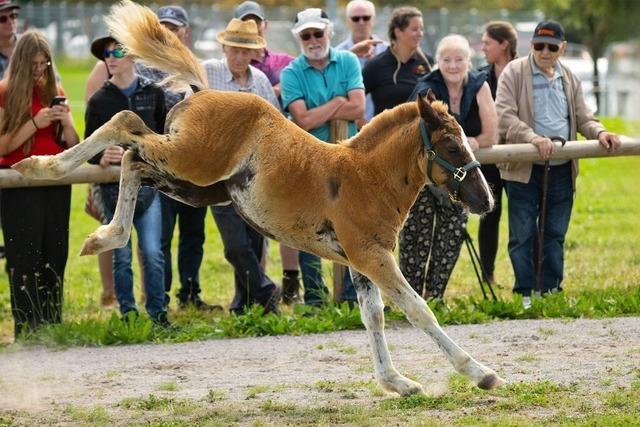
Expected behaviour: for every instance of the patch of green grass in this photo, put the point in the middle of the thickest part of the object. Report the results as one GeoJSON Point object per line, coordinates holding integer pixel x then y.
{"type": "Point", "coordinates": [169, 386]}
{"type": "Point", "coordinates": [528, 358]}
{"type": "Point", "coordinates": [215, 396]}
{"type": "Point", "coordinates": [256, 390]}
{"type": "Point", "coordinates": [97, 416]}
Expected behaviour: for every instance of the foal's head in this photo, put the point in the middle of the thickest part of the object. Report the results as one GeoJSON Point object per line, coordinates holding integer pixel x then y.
{"type": "Point", "coordinates": [450, 163]}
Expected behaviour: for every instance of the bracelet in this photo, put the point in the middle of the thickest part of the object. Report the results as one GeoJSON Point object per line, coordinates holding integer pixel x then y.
{"type": "Point", "coordinates": [34, 124]}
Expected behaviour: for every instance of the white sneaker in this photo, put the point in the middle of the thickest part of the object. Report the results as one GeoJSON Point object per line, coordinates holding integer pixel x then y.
{"type": "Point", "coordinates": [526, 302]}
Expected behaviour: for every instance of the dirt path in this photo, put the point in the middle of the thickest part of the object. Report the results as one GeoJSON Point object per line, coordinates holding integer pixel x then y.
{"type": "Point", "coordinates": [582, 352]}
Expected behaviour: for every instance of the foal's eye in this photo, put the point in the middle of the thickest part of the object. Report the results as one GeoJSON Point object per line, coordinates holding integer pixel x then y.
{"type": "Point", "coordinates": [453, 149]}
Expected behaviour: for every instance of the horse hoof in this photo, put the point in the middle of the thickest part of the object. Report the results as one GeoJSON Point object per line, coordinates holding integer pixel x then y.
{"type": "Point", "coordinates": [490, 381]}
{"type": "Point", "coordinates": [39, 167]}
{"type": "Point", "coordinates": [103, 239]}
{"type": "Point", "coordinates": [403, 386]}
{"type": "Point", "coordinates": [91, 246]}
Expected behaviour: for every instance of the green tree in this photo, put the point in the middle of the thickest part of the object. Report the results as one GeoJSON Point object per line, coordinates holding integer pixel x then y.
{"type": "Point", "coordinates": [595, 23]}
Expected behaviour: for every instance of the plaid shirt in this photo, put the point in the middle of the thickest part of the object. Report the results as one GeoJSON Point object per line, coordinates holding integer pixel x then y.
{"type": "Point", "coordinates": [156, 76]}
{"type": "Point", "coordinates": [220, 78]}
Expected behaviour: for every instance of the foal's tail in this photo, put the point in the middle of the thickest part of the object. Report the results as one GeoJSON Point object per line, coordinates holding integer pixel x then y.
{"type": "Point", "coordinates": [138, 29]}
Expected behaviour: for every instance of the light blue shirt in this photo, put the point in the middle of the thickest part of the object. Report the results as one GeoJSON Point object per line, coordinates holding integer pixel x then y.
{"type": "Point", "coordinates": [347, 44]}
{"type": "Point", "coordinates": [550, 106]}
{"type": "Point", "coordinates": [299, 80]}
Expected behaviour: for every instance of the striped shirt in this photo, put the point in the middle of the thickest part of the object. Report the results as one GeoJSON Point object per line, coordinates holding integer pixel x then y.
{"type": "Point", "coordinates": [220, 78]}
{"type": "Point", "coordinates": [550, 106]}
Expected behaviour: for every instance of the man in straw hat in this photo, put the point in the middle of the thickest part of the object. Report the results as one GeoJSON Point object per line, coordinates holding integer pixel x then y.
{"type": "Point", "coordinates": [321, 85]}
{"type": "Point", "coordinates": [243, 245]}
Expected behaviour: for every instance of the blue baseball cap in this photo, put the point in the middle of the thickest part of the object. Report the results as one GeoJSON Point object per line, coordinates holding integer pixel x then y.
{"type": "Point", "coordinates": [175, 15]}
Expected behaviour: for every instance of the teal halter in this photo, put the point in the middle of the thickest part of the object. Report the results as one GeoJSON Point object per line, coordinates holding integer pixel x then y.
{"type": "Point", "coordinates": [458, 174]}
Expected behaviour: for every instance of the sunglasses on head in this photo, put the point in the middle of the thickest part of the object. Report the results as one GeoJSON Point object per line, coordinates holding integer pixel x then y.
{"type": "Point", "coordinates": [117, 53]}
{"type": "Point", "coordinates": [316, 34]}
{"type": "Point", "coordinates": [552, 47]}
{"type": "Point", "coordinates": [365, 18]}
{"type": "Point", "coordinates": [4, 18]}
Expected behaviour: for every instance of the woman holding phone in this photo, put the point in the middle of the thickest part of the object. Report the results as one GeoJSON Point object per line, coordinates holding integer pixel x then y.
{"type": "Point", "coordinates": [35, 220]}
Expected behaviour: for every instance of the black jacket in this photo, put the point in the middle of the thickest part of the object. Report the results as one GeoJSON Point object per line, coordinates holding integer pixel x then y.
{"type": "Point", "coordinates": [147, 102]}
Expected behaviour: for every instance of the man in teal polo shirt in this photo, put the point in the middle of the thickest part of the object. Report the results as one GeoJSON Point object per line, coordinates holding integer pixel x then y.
{"type": "Point", "coordinates": [320, 85]}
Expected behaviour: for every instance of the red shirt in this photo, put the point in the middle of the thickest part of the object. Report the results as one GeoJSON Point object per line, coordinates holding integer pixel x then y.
{"type": "Point", "coordinates": [44, 140]}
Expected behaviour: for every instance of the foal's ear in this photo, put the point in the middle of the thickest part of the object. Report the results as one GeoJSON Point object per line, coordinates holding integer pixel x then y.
{"type": "Point", "coordinates": [427, 112]}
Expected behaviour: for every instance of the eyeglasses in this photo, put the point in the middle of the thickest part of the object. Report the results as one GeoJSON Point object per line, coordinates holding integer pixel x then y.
{"type": "Point", "coordinates": [315, 34]}
{"type": "Point", "coordinates": [4, 18]}
{"type": "Point", "coordinates": [365, 18]}
{"type": "Point", "coordinates": [552, 47]}
{"type": "Point", "coordinates": [38, 65]}
{"type": "Point", "coordinates": [117, 53]}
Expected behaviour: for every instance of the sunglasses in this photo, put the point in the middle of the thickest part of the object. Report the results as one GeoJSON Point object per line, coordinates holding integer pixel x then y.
{"type": "Point", "coordinates": [365, 18]}
{"type": "Point", "coordinates": [4, 18]}
{"type": "Point", "coordinates": [552, 47]}
{"type": "Point", "coordinates": [315, 34]}
{"type": "Point", "coordinates": [117, 53]}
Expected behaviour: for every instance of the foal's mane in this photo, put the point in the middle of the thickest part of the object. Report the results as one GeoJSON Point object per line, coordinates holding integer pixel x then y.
{"type": "Point", "coordinates": [394, 120]}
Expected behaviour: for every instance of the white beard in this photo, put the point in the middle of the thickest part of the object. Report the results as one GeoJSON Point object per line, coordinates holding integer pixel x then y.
{"type": "Point", "coordinates": [316, 54]}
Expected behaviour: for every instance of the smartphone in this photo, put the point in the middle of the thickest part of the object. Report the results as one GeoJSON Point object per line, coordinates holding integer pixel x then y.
{"type": "Point", "coordinates": [57, 100]}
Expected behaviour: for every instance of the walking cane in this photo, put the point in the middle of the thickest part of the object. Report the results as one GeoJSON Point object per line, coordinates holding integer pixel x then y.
{"type": "Point", "coordinates": [542, 217]}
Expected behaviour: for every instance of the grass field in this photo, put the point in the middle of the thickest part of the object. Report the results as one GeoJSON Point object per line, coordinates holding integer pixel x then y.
{"type": "Point", "coordinates": [601, 246]}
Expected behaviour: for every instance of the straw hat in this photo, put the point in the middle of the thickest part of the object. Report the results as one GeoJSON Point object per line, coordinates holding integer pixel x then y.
{"type": "Point", "coordinates": [241, 34]}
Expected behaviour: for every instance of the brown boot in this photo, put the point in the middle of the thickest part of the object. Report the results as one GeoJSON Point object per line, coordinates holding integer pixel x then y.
{"type": "Point", "coordinates": [290, 288]}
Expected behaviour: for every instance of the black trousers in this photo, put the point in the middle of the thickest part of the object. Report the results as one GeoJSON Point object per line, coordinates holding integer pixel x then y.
{"type": "Point", "coordinates": [489, 229]}
{"type": "Point", "coordinates": [35, 223]}
{"type": "Point", "coordinates": [243, 248]}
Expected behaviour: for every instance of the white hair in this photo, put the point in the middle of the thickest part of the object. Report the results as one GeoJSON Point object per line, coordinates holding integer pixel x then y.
{"type": "Point", "coordinates": [453, 42]}
{"type": "Point", "coordinates": [354, 3]}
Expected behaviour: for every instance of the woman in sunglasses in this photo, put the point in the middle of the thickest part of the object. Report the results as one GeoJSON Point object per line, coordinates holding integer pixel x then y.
{"type": "Point", "coordinates": [125, 90]}
{"type": "Point", "coordinates": [35, 220]}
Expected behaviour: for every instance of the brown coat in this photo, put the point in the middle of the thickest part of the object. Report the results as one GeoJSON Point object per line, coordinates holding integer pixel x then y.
{"type": "Point", "coordinates": [514, 104]}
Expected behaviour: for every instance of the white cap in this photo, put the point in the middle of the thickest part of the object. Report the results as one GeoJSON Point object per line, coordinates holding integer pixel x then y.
{"type": "Point", "coordinates": [310, 18]}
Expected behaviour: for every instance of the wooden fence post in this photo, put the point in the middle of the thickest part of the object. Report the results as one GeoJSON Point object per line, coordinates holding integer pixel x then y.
{"type": "Point", "coordinates": [338, 130]}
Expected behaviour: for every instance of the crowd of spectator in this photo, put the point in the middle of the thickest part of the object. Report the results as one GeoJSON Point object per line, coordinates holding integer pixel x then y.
{"type": "Point", "coordinates": [536, 99]}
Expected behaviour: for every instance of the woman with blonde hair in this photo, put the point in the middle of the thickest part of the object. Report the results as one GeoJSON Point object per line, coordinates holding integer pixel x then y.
{"type": "Point", "coordinates": [34, 120]}
{"type": "Point", "coordinates": [436, 226]}
{"type": "Point", "coordinates": [391, 76]}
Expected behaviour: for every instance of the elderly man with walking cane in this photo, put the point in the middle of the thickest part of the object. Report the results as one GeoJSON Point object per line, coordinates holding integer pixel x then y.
{"type": "Point", "coordinates": [540, 99]}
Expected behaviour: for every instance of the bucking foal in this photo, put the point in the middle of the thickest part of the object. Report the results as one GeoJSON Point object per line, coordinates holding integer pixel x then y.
{"type": "Point", "coordinates": [344, 202]}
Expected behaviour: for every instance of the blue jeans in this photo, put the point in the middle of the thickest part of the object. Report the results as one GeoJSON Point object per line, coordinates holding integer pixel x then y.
{"type": "Point", "coordinates": [148, 225]}
{"type": "Point", "coordinates": [315, 291]}
{"type": "Point", "coordinates": [524, 210]}
{"type": "Point", "coordinates": [243, 248]}
{"type": "Point", "coordinates": [190, 246]}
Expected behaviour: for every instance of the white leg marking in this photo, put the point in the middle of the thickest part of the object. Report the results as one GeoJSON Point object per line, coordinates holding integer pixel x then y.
{"type": "Point", "coordinates": [116, 234]}
{"type": "Point", "coordinates": [372, 314]}
{"type": "Point", "coordinates": [395, 286]}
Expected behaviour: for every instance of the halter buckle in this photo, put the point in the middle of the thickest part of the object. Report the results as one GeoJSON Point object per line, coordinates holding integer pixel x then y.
{"type": "Point", "coordinates": [431, 154]}
{"type": "Point", "coordinates": [459, 174]}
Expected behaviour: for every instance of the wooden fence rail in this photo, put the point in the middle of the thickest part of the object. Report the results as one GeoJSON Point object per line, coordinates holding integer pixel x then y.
{"type": "Point", "coordinates": [496, 154]}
